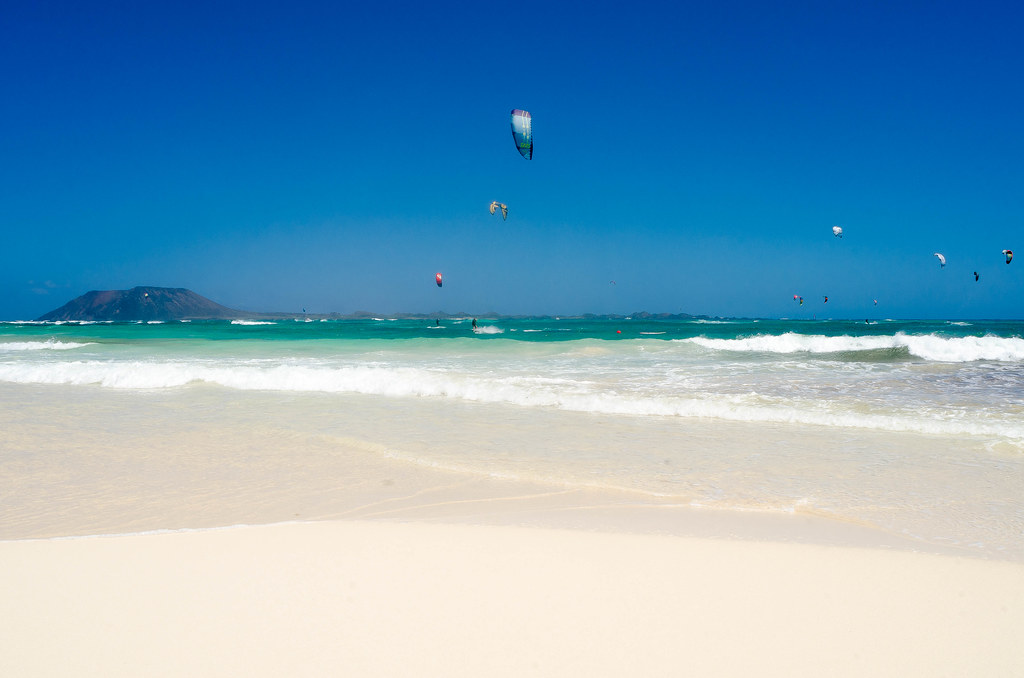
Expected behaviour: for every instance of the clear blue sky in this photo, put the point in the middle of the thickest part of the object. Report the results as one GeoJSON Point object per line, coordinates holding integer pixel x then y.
{"type": "Point", "coordinates": [334, 156]}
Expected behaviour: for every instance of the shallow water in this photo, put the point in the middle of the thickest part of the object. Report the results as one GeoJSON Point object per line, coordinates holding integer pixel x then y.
{"type": "Point", "coordinates": [912, 428]}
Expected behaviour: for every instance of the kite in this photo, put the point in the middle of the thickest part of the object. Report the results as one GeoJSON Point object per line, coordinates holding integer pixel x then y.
{"type": "Point", "coordinates": [438, 279]}
{"type": "Point", "coordinates": [942, 259]}
{"type": "Point", "coordinates": [837, 231]}
{"type": "Point", "coordinates": [504, 209]}
{"type": "Point", "coordinates": [522, 132]}
{"type": "Point", "coordinates": [1009, 255]}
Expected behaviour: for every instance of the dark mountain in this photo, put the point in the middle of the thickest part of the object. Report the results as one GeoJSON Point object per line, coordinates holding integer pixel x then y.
{"type": "Point", "coordinates": [178, 303]}
{"type": "Point", "coordinates": [142, 303]}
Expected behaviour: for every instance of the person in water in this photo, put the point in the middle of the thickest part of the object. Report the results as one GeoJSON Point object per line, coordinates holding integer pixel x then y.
{"type": "Point", "coordinates": [474, 323]}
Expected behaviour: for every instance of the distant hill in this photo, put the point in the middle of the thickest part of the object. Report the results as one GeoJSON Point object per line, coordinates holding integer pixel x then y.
{"type": "Point", "coordinates": [178, 303]}
{"type": "Point", "coordinates": [142, 303]}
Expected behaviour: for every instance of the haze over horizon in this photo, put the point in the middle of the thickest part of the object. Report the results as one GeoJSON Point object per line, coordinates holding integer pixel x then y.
{"type": "Point", "coordinates": [334, 158]}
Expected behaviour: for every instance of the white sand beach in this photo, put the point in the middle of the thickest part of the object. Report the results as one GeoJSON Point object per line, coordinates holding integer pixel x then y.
{"type": "Point", "coordinates": [353, 562]}
{"type": "Point", "coordinates": [407, 599]}
{"type": "Point", "coordinates": [310, 367]}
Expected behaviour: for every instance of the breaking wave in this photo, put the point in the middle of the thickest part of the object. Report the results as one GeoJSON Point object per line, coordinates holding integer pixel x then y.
{"type": "Point", "coordinates": [929, 347]}
{"type": "Point", "coordinates": [564, 394]}
{"type": "Point", "coordinates": [48, 345]}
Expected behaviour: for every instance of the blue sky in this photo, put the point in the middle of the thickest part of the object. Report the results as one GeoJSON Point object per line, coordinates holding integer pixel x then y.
{"type": "Point", "coordinates": [334, 156]}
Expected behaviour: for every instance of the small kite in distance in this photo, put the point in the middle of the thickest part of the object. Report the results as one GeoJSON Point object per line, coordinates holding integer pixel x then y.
{"type": "Point", "coordinates": [1009, 255]}
{"type": "Point", "coordinates": [837, 231]}
{"type": "Point", "coordinates": [975, 276]}
{"type": "Point", "coordinates": [942, 260]}
{"type": "Point", "coordinates": [504, 209]}
{"type": "Point", "coordinates": [437, 278]}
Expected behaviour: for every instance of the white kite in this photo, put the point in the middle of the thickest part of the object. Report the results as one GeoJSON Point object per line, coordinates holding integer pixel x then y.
{"type": "Point", "coordinates": [504, 209]}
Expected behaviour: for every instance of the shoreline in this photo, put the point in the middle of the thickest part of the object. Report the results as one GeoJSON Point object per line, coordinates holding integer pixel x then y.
{"type": "Point", "coordinates": [197, 458]}
{"type": "Point", "coordinates": [603, 513]}
{"type": "Point", "coordinates": [295, 542]}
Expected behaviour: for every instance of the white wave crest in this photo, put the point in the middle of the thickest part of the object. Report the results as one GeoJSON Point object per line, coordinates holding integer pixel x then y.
{"type": "Point", "coordinates": [48, 345]}
{"type": "Point", "coordinates": [563, 394]}
{"type": "Point", "coordinates": [929, 347]}
{"type": "Point", "coordinates": [488, 329]}
{"type": "Point", "coordinates": [251, 322]}
{"type": "Point", "coordinates": [965, 349]}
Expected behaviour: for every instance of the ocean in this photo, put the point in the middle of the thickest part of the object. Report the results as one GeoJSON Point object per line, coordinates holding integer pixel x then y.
{"type": "Point", "coordinates": [915, 428]}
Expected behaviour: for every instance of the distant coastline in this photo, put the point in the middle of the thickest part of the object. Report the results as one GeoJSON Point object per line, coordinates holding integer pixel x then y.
{"type": "Point", "coordinates": [178, 303]}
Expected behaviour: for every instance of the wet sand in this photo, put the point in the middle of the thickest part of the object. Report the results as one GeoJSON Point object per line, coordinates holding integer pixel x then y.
{"type": "Point", "coordinates": [225, 557]}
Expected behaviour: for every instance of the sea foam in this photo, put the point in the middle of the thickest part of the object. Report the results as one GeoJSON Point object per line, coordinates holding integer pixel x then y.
{"type": "Point", "coordinates": [557, 393]}
{"type": "Point", "coordinates": [928, 347]}
{"type": "Point", "coordinates": [49, 344]}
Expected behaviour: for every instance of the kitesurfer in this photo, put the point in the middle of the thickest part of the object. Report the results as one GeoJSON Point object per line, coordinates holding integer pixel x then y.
{"type": "Point", "coordinates": [474, 323]}
{"type": "Point", "coordinates": [504, 209]}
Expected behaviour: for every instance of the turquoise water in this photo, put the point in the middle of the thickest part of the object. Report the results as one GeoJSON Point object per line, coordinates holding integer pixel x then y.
{"type": "Point", "coordinates": [929, 377]}
{"type": "Point", "coordinates": [532, 329]}
{"type": "Point", "coordinates": [915, 427]}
